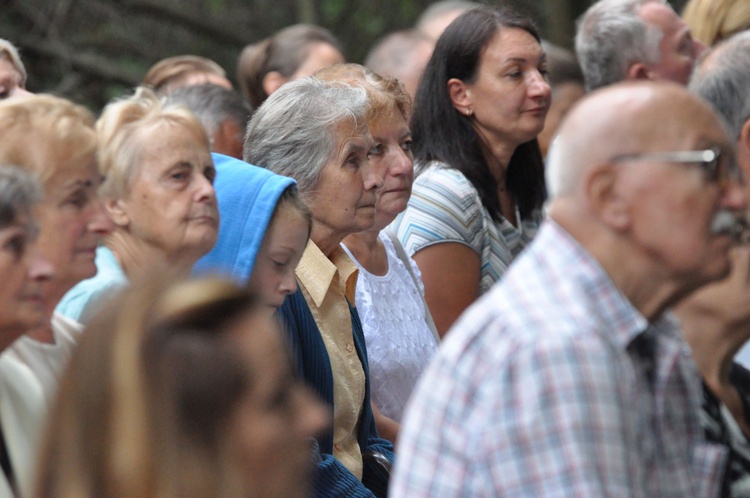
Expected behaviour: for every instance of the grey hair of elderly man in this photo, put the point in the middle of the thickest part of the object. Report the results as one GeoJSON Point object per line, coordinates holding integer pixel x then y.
{"type": "Point", "coordinates": [222, 112]}
{"type": "Point", "coordinates": [723, 79]}
{"type": "Point", "coordinates": [294, 132]}
{"type": "Point", "coordinates": [619, 40]}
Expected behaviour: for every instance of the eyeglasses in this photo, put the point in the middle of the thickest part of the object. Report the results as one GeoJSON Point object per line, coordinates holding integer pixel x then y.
{"type": "Point", "coordinates": [716, 170]}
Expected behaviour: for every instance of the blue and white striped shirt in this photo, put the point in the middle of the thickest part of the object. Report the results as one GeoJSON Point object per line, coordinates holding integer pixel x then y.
{"type": "Point", "coordinates": [445, 207]}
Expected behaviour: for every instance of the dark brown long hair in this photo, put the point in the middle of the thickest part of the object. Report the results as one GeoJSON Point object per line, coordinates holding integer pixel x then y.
{"type": "Point", "coordinates": [441, 133]}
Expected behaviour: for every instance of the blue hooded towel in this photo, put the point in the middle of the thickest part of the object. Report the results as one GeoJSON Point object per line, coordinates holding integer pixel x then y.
{"type": "Point", "coordinates": [247, 196]}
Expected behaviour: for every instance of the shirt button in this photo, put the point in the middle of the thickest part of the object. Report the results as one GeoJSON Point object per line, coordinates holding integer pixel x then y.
{"type": "Point", "coordinates": [349, 347]}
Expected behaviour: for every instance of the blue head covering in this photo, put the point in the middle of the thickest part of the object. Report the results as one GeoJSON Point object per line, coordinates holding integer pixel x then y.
{"type": "Point", "coordinates": [247, 197]}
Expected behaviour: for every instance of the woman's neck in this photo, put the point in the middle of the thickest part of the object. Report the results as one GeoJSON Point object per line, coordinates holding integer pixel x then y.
{"type": "Point", "coordinates": [497, 156]}
{"type": "Point", "coordinates": [140, 259]}
{"type": "Point", "coordinates": [497, 162]}
{"type": "Point", "coordinates": [369, 251]}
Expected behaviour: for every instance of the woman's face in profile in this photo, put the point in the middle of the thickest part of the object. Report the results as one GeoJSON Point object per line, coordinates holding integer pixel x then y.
{"type": "Point", "coordinates": [72, 221]}
{"type": "Point", "coordinates": [275, 421]}
{"type": "Point", "coordinates": [21, 305]}
{"type": "Point", "coordinates": [343, 199]}
{"type": "Point", "coordinates": [392, 158]}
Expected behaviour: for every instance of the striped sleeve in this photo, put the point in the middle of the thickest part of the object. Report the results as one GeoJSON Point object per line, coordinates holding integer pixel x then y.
{"type": "Point", "coordinates": [444, 207]}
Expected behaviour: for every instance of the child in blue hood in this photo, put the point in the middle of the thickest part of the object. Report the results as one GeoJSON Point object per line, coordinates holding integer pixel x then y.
{"type": "Point", "coordinates": [263, 232]}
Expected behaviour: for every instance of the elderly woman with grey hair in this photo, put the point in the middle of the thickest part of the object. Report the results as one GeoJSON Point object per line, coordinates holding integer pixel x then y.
{"type": "Point", "coordinates": [23, 273]}
{"type": "Point", "coordinates": [316, 132]}
{"type": "Point", "coordinates": [158, 192]}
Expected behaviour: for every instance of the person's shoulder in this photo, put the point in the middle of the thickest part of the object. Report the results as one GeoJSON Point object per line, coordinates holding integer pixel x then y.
{"type": "Point", "coordinates": [440, 175]}
{"type": "Point", "coordinates": [514, 311]}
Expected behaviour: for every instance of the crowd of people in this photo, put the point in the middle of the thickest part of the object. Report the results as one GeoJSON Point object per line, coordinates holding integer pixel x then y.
{"type": "Point", "coordinates": [478, 265]}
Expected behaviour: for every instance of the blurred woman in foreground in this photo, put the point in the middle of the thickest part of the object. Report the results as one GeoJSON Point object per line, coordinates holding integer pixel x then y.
{"type": "Point", "coordinates": [181, 390]}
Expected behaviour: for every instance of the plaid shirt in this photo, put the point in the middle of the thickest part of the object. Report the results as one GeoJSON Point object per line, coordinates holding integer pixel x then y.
{"type": "Point", "coordinates": [539, 392]}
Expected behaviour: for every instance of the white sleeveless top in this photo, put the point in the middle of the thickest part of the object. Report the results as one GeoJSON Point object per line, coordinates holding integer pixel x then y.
{"type": "Point", "coordinates": [399, 343]}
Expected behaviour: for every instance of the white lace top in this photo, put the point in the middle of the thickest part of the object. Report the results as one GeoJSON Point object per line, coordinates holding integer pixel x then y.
{"type": "Point", "coordinates": [399, 342]}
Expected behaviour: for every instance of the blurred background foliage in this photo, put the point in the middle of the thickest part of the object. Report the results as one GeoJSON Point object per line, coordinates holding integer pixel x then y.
{"type": "Point", "coordinates": [93, 50]}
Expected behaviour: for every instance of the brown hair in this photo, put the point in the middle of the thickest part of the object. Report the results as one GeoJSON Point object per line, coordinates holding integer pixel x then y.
{"type": "Point", "coordinates": [384, 92]}
{"type": "Point", "coordinates": [283, 52]}
{"type": "Point", "coordinates": [144, 406]}
{"type": "Point", "coordinates": [170, 72]}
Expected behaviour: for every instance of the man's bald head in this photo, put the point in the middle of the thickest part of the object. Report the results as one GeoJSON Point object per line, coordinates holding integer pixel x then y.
{"type": "Point", "coordinates": [642, 175]}
{"type": "Point", "coordinates": [626, 118]}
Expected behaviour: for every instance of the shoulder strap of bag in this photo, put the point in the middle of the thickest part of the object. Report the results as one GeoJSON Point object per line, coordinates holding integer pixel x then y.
{"type": "Point", "coordinates": [403, 257]}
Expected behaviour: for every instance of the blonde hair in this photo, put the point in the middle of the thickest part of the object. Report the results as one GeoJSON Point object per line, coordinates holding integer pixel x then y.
{"type": "Point", "coordinates": [145, 406]}
{"type": "Point", "coordinates": [44, 134]}
{"type": "Point", "coordinates": [384, 93]}
{"type": "Point", "coordinates": [123, 127]}
{"type": "Point", "coordinates": [712, 21]}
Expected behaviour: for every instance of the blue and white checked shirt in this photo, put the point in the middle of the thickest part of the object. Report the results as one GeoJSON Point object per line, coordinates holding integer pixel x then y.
{"type": "Point", "coordinates": [538, 392]}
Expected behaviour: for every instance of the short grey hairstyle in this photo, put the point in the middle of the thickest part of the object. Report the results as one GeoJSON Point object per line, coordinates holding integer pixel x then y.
{"type": "Point", "coordinates": [212, 105]}
{"type": "Point", "coordinates": [723, 79]}
{"type": "Point", "coordinates": [10, 52]}
{"type": "Point", "coordinates": [294, 132]}
{"type": "Point", "coordinates": [19, 191]}
{"type": "Point", "coordinates": [610, 36]}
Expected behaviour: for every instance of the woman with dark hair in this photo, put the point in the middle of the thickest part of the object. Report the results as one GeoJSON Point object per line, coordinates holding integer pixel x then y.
{"type": "Point", "coordinates": [294, 52]}
{"type": "Point", "coordinates": [477, 199]}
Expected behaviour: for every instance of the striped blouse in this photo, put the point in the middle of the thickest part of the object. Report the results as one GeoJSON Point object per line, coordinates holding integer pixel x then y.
{"type": "Point", "coordinates": [445, 207]}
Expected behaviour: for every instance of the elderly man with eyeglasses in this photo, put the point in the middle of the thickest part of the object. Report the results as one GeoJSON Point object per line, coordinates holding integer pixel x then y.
{"type": "Point", "coordinates": [570, 377]}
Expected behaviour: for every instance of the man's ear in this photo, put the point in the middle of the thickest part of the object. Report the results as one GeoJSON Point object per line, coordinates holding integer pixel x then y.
{"type": "Point", "coordinates": [460, 95]}
{"type": "Point", "coordinates": [639, 71]}
{"type": "Point", "coordinates": [273, 81]}
{"type": "Point", "coordinates": [228, 139]}
{"type": "Point", "coordinates": [116, 211]}
{"type": "Point", "coordinates": [605, 198]}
